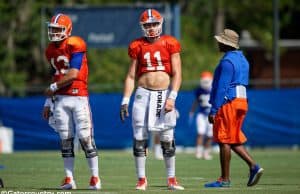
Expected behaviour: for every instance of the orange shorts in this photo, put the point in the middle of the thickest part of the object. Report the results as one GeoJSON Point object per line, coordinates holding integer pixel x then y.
{"type": "Point", "coordinates": [228, 122]}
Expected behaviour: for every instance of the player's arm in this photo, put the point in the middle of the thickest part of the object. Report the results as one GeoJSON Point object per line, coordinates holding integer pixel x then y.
{"type": "Point", "coordinates": [70, 76]}
{"type": "Point", "coordinates": [194, 106]}
{"type": "Point", "coordinates": [128, 89]}
{"type": "Point", "coordinates": [130, 79]}
{"type": "Point", "coordinates": [222, 82]}
{"type": "Point", "coordinates": [175, 82]}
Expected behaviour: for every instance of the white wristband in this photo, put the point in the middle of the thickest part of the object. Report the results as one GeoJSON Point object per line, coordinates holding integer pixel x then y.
{"type": "Point", "coordinates": [173, 95]}
{"type": "Point", "coordinates": [53, 87]}
{"type": "Point", "coordinates": [125, 100]}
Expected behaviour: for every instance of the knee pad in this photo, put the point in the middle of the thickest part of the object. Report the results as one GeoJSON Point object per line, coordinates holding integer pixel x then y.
{"type": "Point", "coordinates": [168, 148]}
{"type": "Point", "coordinates": [139, 148]}
{"type": "Point", "coordinates": [89, 147]}
{"type": "Point", "coordinates": [67, 147]}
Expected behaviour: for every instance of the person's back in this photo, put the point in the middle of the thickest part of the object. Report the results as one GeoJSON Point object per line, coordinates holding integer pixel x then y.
{"type": "Point", "coordinates": [241, 73]}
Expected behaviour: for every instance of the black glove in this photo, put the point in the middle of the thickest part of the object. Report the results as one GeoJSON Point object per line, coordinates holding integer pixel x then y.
{"type": "Point", "coordinates": [211, 119]}
{"type": "Point", "coordinates": [124, 112]}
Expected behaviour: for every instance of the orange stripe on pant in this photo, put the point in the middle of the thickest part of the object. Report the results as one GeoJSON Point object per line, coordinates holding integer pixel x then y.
{"type": "Point", "coordinates": [228, 122]}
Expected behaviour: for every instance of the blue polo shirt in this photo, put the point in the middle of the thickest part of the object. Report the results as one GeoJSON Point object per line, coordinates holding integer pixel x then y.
{"type": "Point", "coordinates": [232, 70]}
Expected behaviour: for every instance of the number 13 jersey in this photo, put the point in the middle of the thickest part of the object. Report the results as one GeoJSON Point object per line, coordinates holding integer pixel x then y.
{"type": "Point", "coordinates": [154, 56]}
{"type": "Point", "coordinates": [60, 56]}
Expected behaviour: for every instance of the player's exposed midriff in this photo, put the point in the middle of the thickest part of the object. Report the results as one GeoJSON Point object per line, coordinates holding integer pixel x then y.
{"type": "Point", "coordinates": [157, 80]}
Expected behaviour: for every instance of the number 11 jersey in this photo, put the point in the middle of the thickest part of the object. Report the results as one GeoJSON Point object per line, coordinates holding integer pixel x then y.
{"type": "Point", "coordinates": [154, 56]}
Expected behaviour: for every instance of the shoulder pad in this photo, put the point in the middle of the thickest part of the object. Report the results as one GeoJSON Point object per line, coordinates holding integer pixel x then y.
{"type": "Point", "coordinates": [172, 43]}
{"type": "Point", "coordinates": [170, 39]}
{"type": "Point", "coordinates": [134, 47]}
{"type": "Point", "coordinates": [76, 44]}
{"type": "Point", "coordinates": [135, 43]}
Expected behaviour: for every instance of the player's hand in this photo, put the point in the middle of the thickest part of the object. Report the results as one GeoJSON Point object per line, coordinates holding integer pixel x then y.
{"type": "Point", "coordinates": [211, 119]}
{"type": "Point", "coordinates": [124, 112]}
{"type": "Point", "coordinates": [170, 105]}
{"type": "Point", "coordinates": [46, 112]}
{"type": "Point", "coordinates": [48, 92]}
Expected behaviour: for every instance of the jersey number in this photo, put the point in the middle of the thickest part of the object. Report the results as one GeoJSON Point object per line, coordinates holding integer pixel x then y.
{"type": "Point", "coordinates": [204, 100]}
{"type": "Point", "coordinates": [156, 55]}
{"type": "Point", "coordinates": [62, 70]}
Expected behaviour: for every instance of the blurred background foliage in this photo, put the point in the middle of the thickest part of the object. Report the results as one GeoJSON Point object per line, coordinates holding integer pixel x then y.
{"type": "Point", "coordinates": [24, 70]}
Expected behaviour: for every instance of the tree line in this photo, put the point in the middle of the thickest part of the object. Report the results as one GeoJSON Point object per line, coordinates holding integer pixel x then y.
{"type": "Point", "coordinates": [25, 71]}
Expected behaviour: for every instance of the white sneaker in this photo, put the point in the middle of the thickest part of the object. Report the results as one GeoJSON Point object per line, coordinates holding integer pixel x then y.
{"type": "Point", "coordinates": [207, 155]}
{"type": "Point", "coordinates": [95, 183]}
{"type": "Point", "coordinates": [68, 183]}
{"type": "Point", "coordinates": [199, 151]}
{"type": "Point", "coordinates": [173, 184]}
{"type": "Point", "coordinates": [198, 155]}
{"type": "Point", "coordinates": [141, 184]}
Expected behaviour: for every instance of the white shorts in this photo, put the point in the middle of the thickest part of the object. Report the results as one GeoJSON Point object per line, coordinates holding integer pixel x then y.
{"type": "Point", "coordinates": [71, 114]}
{"type": "Point", "coordinates": [148, 113]}
{"type": "Point", "coordinates": [203, 125]}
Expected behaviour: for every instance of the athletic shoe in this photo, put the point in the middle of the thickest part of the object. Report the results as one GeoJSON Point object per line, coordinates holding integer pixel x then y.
{"type": "Point", "coordinates": [95, 183]}
{"type": "Point", "coordinates": [218, 183]}
{"type": "Point", "coordinates": [207, 156]}
{"type": "Point", "coordinates": [173, 184]}
{"type": "Point", "coordinates": [141, 184]}
{"type": "Point", "coordinates": [68, 183]}
{"type": "Point", "coordinates": [255, 175]}
{"type": "Point", "coordinates": [198, 155]}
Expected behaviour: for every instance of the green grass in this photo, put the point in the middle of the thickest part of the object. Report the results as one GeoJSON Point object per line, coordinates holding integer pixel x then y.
{"type": "Point", "coordinates": [43, 171]}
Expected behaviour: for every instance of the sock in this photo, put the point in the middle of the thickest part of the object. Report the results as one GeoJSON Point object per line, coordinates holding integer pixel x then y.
{"type": "Point", "coordinates": [69, 166]}
{"type": "Point", "coordinates": [93, 164]}
{"type": "Point", "coordinates": [170, 166]}
{"type": "Point", "coordinates": [140, 163]}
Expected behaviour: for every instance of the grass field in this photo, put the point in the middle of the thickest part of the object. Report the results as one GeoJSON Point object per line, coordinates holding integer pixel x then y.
{"type": "Point", "coordinates": [42, 172]}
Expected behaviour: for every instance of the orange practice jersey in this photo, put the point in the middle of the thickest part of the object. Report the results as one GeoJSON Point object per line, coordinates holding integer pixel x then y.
{"type": "Point", "coordinates": [154, 56]}
{"type": "Point", "coordinates": [59, 58]}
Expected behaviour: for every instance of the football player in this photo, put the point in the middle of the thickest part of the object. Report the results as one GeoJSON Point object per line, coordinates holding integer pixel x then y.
{"type": "Point", "coordinates": [156, 67]}
{"type": "Point", "coordinates": [67, 107]}
{"type": "Point", "coordinates": [204, 128]}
